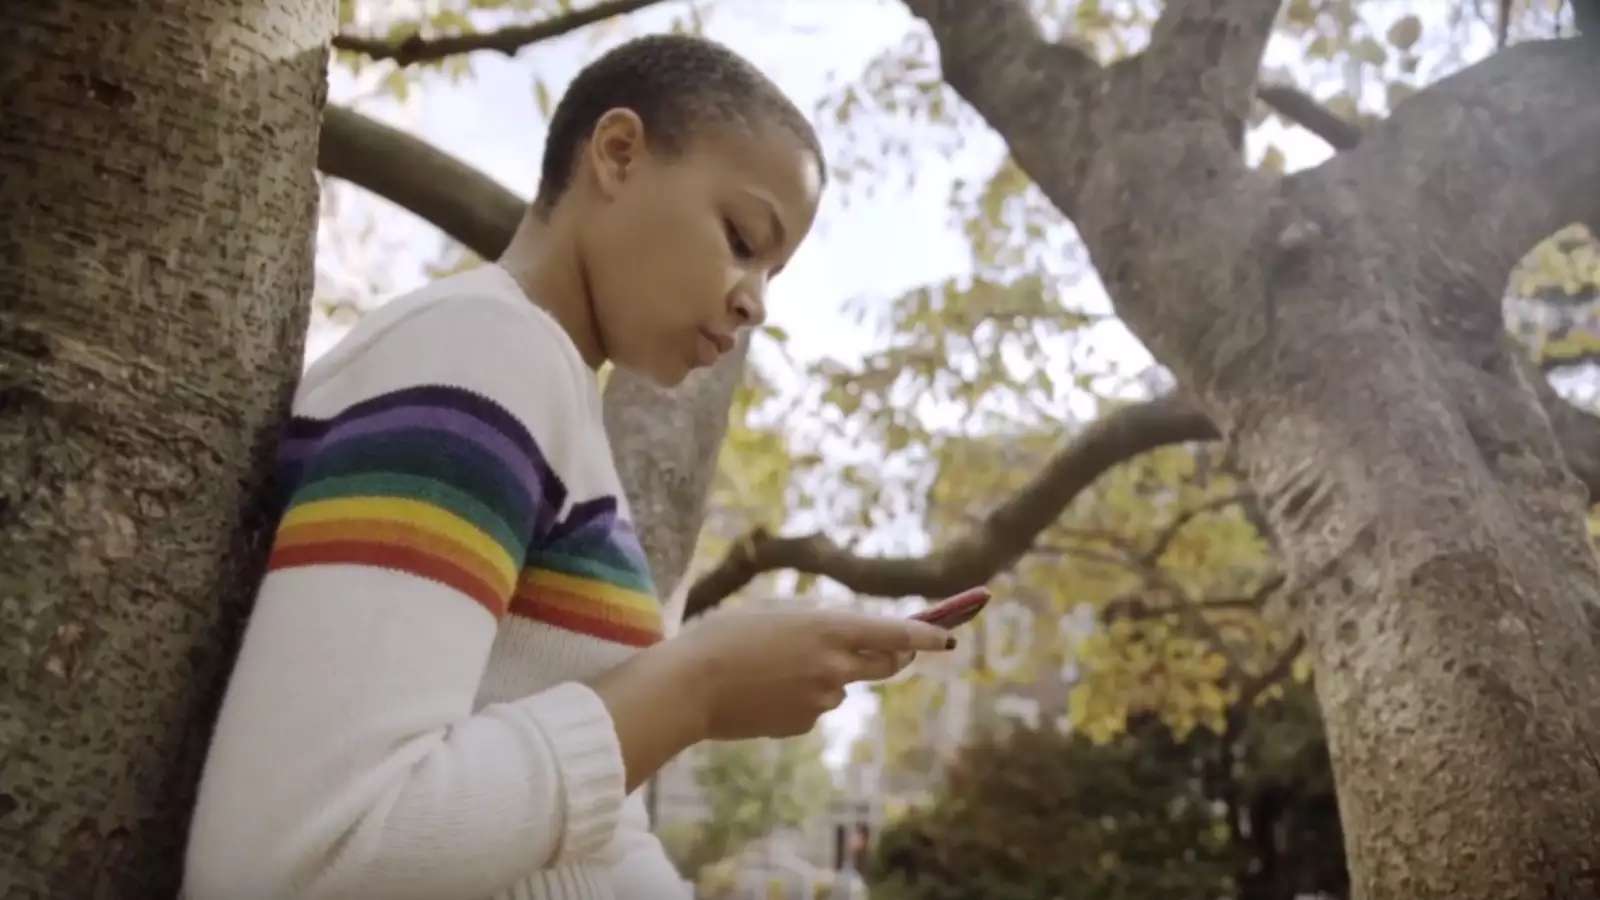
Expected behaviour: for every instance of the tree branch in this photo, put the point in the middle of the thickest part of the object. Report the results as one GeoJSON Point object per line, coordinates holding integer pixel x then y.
{"type": "Point", "coordinates": [1550, 364]}
{"type": "Point", "coordinates": [1040, 96]}
{"type": "Point", "coordinates": [461, 201]}
{"type": "Point", "coordinates": [1205, 58]}
{"type": "Point", "coordinates": [1278, 671]}
{"type": "Point", "coordinates": [1503, 151]}
{"type": "Point", "coordinates": [1303, 109]}
{"type": "Point", "coordinates": [1255, 687]}
{"type": "Point", "coordinates": [1009, 531]}
{"type": "Point", "coordinates": [414, 48]}
{"type": "Point", "coordinates": [1004, 535]}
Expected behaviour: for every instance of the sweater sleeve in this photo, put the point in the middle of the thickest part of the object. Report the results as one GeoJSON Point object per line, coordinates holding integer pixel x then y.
{"type": "Point", "coordinates": [639, 866]}
{"type": "Point", "coordinates": [348, 759]}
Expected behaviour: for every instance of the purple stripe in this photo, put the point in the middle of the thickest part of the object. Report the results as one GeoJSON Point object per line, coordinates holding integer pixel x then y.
{"type": "Point", "coordinates": [463, 425]}
{"type": "Point", "coordinates": [295, 450]}
{"type": "Point", "coordinates": [599, 512]}
{"type": "Point", "coordinates": [595, 522]}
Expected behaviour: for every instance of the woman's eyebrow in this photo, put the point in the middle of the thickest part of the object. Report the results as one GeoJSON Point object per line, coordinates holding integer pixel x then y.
{"type": "Point", "coordinates": [779, 233]}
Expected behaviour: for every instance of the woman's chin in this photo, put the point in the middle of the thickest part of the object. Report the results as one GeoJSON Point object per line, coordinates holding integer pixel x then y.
{"type": "Point", "coordinates": [662, 374]}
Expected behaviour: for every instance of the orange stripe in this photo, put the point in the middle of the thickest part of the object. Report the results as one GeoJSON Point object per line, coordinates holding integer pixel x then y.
{"type": "Point", "coordinates": [590, 606]}
{"type": "Point", "coordinates": [562, 612]}
{"type": "Point", "coordinates": [389, 556]}
{"type": "Point", "coordinates": [400, 535]}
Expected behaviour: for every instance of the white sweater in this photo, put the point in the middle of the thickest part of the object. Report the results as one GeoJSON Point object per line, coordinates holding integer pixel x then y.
{"type": "Point", "coordinates": [406, 718]}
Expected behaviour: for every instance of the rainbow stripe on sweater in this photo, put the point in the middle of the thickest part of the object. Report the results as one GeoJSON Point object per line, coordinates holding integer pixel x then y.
{"type": "Point", "coordinates": [438, 482]}
{"type": "Point", "coordinates": [444, 484]}
{"type": "Point", "coordinates": [590, 576]}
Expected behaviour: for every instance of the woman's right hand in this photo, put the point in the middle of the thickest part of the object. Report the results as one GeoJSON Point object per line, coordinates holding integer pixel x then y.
{"type": "Point", "coordinates": [750, 674]}
{"type": "Point", "coordinates": [773, 674]}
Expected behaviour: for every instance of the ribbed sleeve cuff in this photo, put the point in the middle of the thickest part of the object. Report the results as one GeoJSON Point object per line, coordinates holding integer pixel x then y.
{"type": "Point", "coordinates": [589, 760]}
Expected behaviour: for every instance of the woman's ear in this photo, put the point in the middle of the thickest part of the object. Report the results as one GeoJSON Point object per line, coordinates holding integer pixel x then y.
{"type": "Point", "coordinates": [615, 148]}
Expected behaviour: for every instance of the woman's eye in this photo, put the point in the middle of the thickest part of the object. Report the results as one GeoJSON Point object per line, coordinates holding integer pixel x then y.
{"type": "Point", "coordinates": [736, 241]}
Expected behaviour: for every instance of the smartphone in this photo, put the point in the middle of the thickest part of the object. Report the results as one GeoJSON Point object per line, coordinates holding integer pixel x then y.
{"type": "Point", "coordinates": [958, 610]}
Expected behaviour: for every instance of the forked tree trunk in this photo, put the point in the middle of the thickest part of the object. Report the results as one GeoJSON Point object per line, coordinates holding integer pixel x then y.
{"type": "Point", "coordinates": [159, 201]}
{"type": "Point", "coordinates": [1443, 578]}
{"type": "Point", "coordinates": [1439, 562]}
{"type": "Point", "coordinates": [1342, 327]}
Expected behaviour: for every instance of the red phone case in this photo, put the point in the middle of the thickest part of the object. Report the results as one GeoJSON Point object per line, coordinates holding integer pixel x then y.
{"type": "Point", "coordinates": [958, 610]}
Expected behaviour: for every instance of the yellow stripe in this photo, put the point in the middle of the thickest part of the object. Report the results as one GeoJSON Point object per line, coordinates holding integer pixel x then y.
{"type": "Point", "coordinates": [619, 597]}
{"type": "Point", "coordinates": [414, 513]}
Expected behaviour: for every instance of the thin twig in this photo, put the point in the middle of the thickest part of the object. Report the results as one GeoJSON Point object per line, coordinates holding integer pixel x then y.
{"type": "Point", "coordinates": [1303, 109]}
{"type": "Point", "coordinates": [414, 48]}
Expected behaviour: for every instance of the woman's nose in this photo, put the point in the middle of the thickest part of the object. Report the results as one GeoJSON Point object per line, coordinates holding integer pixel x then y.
{"type": "Point", "coordinates": [748, 307]}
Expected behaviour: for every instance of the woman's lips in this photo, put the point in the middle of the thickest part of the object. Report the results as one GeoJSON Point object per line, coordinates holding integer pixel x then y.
{"type": "Point", "coordinates": [712, 346]}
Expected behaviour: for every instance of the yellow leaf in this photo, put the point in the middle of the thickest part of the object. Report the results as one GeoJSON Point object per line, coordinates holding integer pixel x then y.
{"type": "Point", "coordinates": [1273, 161]}
{"type": "Point", "coordinates": [1300, 671]}
{"type": "Point", "coordinates": [1370, 51]}
{"type": "Point", "coordinates": [541, 95]}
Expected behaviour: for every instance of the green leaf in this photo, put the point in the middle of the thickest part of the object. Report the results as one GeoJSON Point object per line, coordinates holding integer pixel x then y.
{"type": "Point", "coordinates": [1370, 51]}
{"type": "Point", "coordinates": [898, 437]}
{"type": "Point", "coordinates": [1343, 106]}
{"type": "Point", "coordinates": [541, 95]}
{"type": "Point", "coordinates": [397, 83]}
{"type": "Point", "coordinates": [1301, 13]}
{"type": "Point", "coordinates": [1405, 32]}
{"type": "Point", "coordinates": [1273, 161]}
{"type": "Point", "coordinates": [451, 21]}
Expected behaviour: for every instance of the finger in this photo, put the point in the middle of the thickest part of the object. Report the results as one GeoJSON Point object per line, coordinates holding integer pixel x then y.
{"type": "Point", "coordinates": [873, 665]}
{"type": "Point", "coordinates": [890, 635]}
{"type": "Point", "coordinates": [832, 699]}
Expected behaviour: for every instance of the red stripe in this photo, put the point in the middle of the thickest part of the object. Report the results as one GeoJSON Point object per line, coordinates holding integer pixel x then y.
{"type": "Point", "coordinates": [389, 533]}
{"type": "Point", "coordinates": [530, 608]}
{"type": "Point", "coordinates": [390, 556]}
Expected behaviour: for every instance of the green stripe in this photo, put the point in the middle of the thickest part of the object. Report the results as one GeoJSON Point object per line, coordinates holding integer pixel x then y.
{"type": "Point", "coordinates": [588, 567]}
{"type": "Point", "coordinates": [435, 456]}
{"type": "Point", "coordinates": [415, 487]}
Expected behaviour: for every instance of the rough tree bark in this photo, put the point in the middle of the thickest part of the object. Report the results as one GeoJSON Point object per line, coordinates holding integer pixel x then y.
{"type": "Point", "coordinates": [666, 443]}
{"type": "Point", "coordinates": [156, 184]}
{"type": "Point", "coordinates": [1342, 328]}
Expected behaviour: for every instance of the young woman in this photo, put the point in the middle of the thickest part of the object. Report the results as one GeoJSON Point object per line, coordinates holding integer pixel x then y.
{"type": "Point", "coordinates": [453, 678]}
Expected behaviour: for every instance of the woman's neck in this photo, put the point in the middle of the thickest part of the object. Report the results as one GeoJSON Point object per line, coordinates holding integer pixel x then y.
{"type": "Point", "coordinates": [544, 259]}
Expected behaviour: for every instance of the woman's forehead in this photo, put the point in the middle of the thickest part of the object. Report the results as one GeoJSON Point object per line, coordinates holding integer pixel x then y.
{"type": "Point", "coordinates": [771, 158]}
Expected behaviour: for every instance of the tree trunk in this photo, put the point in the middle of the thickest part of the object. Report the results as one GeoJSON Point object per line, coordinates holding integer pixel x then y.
{"type": "Point", "coordinates": [159, 200]}
{"type": "Point", "coordinates": [666, 444]}
{"type": "Point", "coordinates": [1440, 566]}
{"type": "Point", "coordinates": [1342, 327]}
